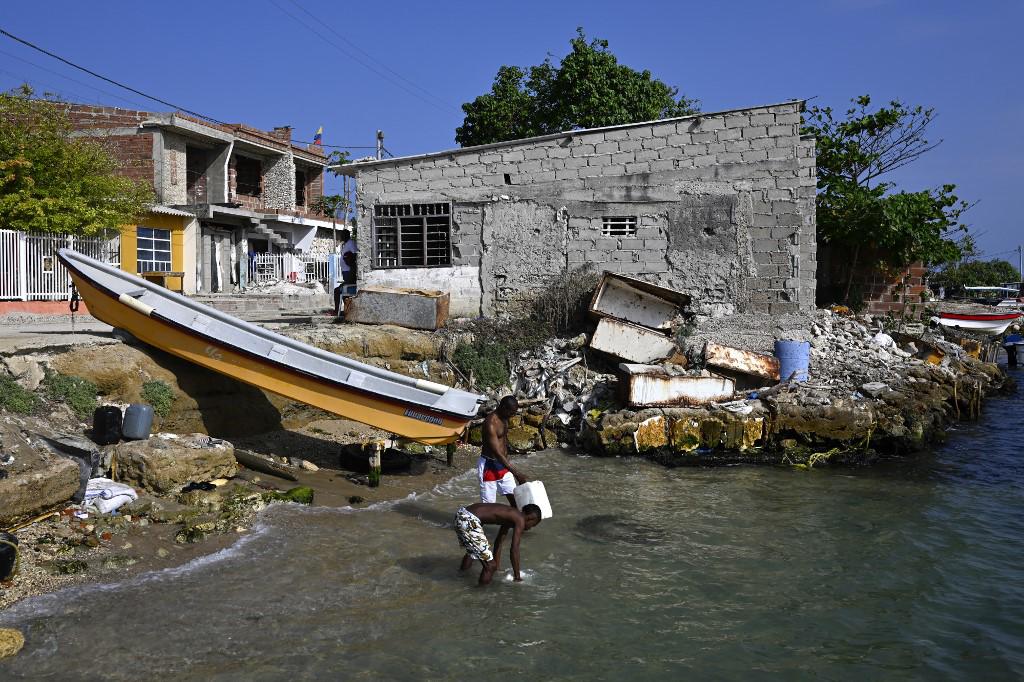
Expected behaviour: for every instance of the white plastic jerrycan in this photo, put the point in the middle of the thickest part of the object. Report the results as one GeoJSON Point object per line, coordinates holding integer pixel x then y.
{"type": "Point", "coordinates": [532, 492]}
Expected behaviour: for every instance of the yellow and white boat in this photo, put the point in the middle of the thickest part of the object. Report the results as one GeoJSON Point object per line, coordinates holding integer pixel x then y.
{"type": "Point", "coordinates": [421, 410]}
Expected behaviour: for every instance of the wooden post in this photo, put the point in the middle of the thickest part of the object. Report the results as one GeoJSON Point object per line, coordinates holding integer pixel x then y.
{"type": "Point", "coordinates": [375, 465]}
{"type": "Point", "coordinates": [450, 450]}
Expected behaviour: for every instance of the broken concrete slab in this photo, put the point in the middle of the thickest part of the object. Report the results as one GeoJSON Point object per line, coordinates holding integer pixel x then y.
{"type": "Point", "coordinates": [411, 308]}
{"type": "Point", "coordinates": [653, 385]}
{"type": "Point", "coordinates": [742, 361]}
{"type": "Point", "coordinates": [633, 300]}
{"type": "Point", "coordinates": [631, 342]}
{"type": "Point", "coordinates": [165, 463]}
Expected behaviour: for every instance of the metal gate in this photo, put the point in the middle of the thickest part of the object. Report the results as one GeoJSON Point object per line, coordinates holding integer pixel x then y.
{"type": "Point", "coordinates": [30, 271]}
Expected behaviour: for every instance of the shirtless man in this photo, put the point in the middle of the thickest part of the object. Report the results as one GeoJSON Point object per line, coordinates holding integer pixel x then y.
{"type": "Point", "coordinates": [469, 527]}
{"type": "Point", "coordinates": [493, 468]}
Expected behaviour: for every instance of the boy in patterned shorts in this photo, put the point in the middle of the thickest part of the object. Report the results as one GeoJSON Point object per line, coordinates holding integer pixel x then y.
{"type": "Point", "coordinates": [469, 527]}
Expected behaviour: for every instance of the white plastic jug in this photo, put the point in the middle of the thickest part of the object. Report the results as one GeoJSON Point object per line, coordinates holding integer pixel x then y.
{"type": "Point", "coordinates": [532, 492]}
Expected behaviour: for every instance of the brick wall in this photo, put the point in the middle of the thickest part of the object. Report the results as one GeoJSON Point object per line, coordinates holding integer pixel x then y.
{"type": "Point", "coordinates": [724, 204]}
{"type": "Point", "coordinates": [881, 290]}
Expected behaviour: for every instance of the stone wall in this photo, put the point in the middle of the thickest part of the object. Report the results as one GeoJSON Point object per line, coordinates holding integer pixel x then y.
{"type": "Point", "coordinates": [723, 205]}
{"type": "Point", "coordinates": [279, 182]}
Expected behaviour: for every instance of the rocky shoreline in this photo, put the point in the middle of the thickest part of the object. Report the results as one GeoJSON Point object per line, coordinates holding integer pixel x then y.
{"type": "Point", "coordinates": [875, 392]}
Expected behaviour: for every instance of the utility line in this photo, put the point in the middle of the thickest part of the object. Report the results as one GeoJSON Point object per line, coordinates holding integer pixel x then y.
{"type": "Point", "coordinates": [125, 87]}
{"type": "Point", "coordinates": [335, 45]}
{"type": "Point", "coordinates": [108, 80]}
{"type": "Point", "coordinates": [69, 78]}
{"type": "Point", "coordinates": [369, 56]}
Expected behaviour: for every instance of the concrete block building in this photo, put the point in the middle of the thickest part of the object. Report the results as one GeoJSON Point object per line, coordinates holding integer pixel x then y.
{"type": "Point", "coordinates": [717, 205]}
{"type": "Point", "coordinates": [241, 189]}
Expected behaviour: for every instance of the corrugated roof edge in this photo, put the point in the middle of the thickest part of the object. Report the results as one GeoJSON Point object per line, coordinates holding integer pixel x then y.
{"type": "Point", "coordinates": [542, 138]}
{"type": "Point", "coordinates": [167, 210]}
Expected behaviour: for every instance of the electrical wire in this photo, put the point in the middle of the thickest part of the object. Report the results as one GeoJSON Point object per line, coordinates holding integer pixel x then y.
{"type": "Point", "coordinates": [369, 56]}
{"type": "Point", "coordinates": [347, 53]}
{"type": "Point", "coordinates": [108, 80]}
{"type": "Point", "coordinates": [69, 78]}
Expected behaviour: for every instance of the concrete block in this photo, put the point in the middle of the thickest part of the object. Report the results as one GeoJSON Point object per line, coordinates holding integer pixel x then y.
{"type": "Point", "coordinates": [646, 155]}
{"type": "Point", "coordinates": [755, 131]}
{"type": "Point", "coordinates": [411, 308]}
{"type": "Point", "coordinates": [643, 132]}
{"type": "Point", "coordinates": [782, 130]}
{"type": "Point", "coordinates": [780, 153]}
{"type": "Point", "coordinates": [631, 243]}
{"type": "Point", "coordinates": [729, 157]}
{"type": "Point", "coordinates": [512, 156]}
{"type": "Point", "coordinates": [408, 174]}
{"type": "Point", "coordinates": [567, 173]}
{"type": "Point", "coordinates": [766, 245]}
{"type": "Point", "coordinates": [662, 165]}
{"type": "Point", "coordinates": [637, 168]}
{"type": "Point", "coordinates": [679, 139]}
{"type": "Point", "coordinates": [737, 120]}
{"type": "Point", "coordinates": [702, 138]}
{"type": "Point", "coordinates": [658, 245]}
{"type": "Point", "coordinates": [467, 159]}
{"type": "Point", "coordinates": [783, 119]}
{"type": "Point", "coordinates": [606, 147]}
{"type": "Point", "coordinates": [607, 245]}
{"type": "Point", "coordinates": [737, 145]}
{"type": "Point", "coordinates": [613, 170]}
{"type": "Point", "coordinates": [653, 143]}
{"type": "Point", "coordinates": [762, 119]}
{"type": "Point", "coordinates": [536, 153]}
{"type": "Point", "coordinates": [624, 257]}
{"type": "Point", "coordinates": [623, 157]}
{"type": "Point", "coordinates": [583, 150]}
{"type": "Point", "coordinates": [453, 172]}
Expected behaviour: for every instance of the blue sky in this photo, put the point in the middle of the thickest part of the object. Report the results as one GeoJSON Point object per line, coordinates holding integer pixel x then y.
{"type": "Point", "coordinates": [406, 67]}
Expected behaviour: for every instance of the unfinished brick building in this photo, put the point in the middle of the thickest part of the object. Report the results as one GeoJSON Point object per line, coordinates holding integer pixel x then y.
{"type": "Point", "coordinates": [717, 205]}
{"type": "Point", "coordinates": [250, 190]}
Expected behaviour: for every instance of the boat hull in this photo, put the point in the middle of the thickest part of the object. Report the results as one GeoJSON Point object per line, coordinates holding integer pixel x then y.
{"type": "Point", "coordinates": [987, 323]}
{"type": "Point", "coordinates": [424, 425]}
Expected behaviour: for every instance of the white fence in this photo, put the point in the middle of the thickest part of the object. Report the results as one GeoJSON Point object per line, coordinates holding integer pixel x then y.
{"type": "Point", "coordinates": [30, 271]}
{"type": "Point", "coordinates": [265, 268]}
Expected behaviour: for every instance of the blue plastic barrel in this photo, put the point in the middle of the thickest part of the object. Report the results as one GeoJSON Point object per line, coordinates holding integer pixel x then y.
{"type": "Point", "coordinates": [138, 420]}
{"type": "Point", "coordinates": [794, 359]}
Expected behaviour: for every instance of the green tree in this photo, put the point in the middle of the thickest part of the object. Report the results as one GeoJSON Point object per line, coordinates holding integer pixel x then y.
{"type": "Point", "coordinates": [991, 273]}
{"type": "Point", "coordinates": [588, 89]}
{"type": "Point", "coordinates": [860, 213]}
{"type": "Point", "coordinates": [51, 182]}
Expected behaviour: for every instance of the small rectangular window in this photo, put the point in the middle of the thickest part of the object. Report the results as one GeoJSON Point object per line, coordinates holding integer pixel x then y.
{"type": "Point", "coordinates": [412, 235]}
{"type": "Point", "coordinates": [153, 250]}
{"type": "Point", "coordinates": [618, 226]}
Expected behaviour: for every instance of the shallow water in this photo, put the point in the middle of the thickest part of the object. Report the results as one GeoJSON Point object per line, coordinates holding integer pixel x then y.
{"type": "Point", "coordinates": [912, 571]}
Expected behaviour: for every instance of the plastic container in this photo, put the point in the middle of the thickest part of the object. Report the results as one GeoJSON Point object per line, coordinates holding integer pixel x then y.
{"type": "Point", "coordinates": [8, 555]}
{"type": "Point", "coordinates": [106, 424]}
{"type": "Point", "coordinates": [532, 492]}
{"type": "Point", "coordinates": [794, 359]}
{"type": "Point", "coordinates": [138, 420]}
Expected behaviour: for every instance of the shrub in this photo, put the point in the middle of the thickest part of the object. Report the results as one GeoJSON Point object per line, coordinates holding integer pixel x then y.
{"type": "Point", "coordinates": [486, 359]}
{"type": "Point", "coordinates": [559, 308]}
{"type": "Point", "coordinates": [79, 394]}
{"type": "Point", "coordinates": [159, 395]}
{"type": "Point", "coordinates": [14, 398]}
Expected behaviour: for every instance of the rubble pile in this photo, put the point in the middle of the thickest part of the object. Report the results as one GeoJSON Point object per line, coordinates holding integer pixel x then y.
{"type": "Point", "coordinates": [849, 356]}
{"type": "Point", "coordinates": [557, 374]}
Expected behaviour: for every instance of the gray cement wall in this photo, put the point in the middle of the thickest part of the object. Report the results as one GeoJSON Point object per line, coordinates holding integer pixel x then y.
{"type": "Point", "coordinates": [724, 206]}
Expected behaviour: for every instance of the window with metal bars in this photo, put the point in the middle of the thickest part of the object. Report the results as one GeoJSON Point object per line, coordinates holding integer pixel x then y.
{"type": "Point", "coordinates": [618, 226]}
{"type": "Point", "coordinates": [412, 235]}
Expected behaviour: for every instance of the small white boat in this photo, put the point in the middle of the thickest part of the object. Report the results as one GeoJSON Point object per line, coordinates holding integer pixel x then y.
{"type": "Point", "coordinates": [987, 323]}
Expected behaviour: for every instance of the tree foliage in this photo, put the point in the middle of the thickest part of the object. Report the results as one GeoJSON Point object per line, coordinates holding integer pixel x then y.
{"type": "Point", "coordinates": [991, 273]}
{"type": "Point", "coordinates": [858, 211]}
{"type": "Point", "coordinates": [588, 89]}
{"type": "Point", "coordinates": [51, 182]}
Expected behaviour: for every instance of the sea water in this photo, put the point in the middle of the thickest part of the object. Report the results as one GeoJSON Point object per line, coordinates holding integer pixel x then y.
{"type": "Point", "coordinates": [903, 571]}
